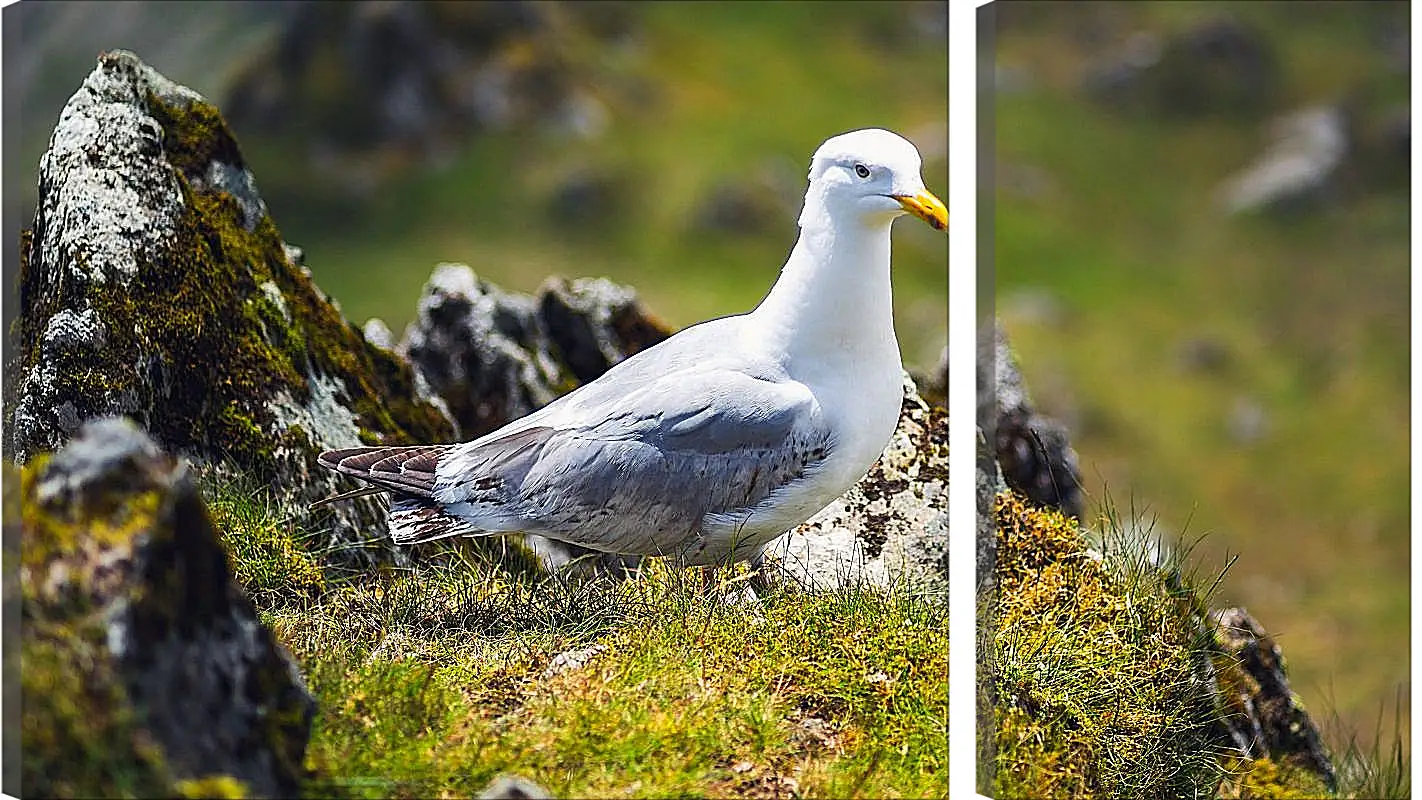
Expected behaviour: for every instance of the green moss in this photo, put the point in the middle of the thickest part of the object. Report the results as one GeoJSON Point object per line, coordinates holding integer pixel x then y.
{"type": "Point", "coordinates": [79, 731]}
{"type": "Point", "coordinates": [1097, 661]}
{"type": "Point", "coordinates": [194, 135]}
{"type": "Point", "coordinates": [80, 736]}
{"type": "Point", "coordinates": [70, 534]}
{"type": "Point", "coordinates": [198, 325]}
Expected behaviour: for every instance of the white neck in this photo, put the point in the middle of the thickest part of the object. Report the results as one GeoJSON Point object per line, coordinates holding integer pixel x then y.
{"type": "Point", "coordinates": [834, 295]}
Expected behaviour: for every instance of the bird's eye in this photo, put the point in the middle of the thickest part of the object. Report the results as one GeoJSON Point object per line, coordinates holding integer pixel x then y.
{"type": "Point", "coordinates": [861, 170]}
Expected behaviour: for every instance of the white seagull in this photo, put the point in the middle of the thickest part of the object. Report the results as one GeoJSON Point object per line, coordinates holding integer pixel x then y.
{"type": "Point", "coordinates": [719, 439]}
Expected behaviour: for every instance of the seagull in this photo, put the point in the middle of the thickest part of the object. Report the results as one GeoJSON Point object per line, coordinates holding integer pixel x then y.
{"type": "Point", "coordinates": [710, 444]}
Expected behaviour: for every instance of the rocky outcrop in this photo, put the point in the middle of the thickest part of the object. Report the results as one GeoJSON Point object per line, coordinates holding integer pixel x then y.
{"type": "Point", "coordinates": [145, 669]}
{"type": "Point", "coordinates": [1033, 452]}
{"type": "Point", "coordinates": [890, 528]}
{"type": "Point", "coordinates": [1238, 669]}
{"type": "Point", "coordinates": [155, 285]}
{"type": "Point", "coordinates": [494, 356]}
{"type": "Point", "coordinates": [1263, 716]}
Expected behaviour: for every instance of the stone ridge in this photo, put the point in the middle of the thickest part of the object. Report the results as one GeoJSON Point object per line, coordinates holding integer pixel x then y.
{"type": "Point", "coordinates": [155, 285]}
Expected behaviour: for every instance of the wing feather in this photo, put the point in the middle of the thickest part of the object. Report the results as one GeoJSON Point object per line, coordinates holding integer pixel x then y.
{"type": "Point", "coordinates": [637, 463]}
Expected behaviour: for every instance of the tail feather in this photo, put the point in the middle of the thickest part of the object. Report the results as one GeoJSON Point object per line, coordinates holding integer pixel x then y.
{"type": "Point", "coordinates": [414, 521]}
{"type": "Point", "coordinates": [408, 470]}
{"type": "Point", "coordinates": [363, 491]}
{"type": "Point", "coordinates": [416, 515]}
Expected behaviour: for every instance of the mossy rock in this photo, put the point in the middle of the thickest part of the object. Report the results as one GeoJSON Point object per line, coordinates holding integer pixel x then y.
{"type": "Point", "coordinates": [145, 671]}
{"type": "Point", "coordinates": [1108, 677]}
{"type": "Point", "coordinates": [155, 285]}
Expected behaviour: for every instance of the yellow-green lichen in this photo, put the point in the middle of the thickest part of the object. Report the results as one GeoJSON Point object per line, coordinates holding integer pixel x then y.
{"type": "Point", "coordinates": [58, 543]}
{"type": "Point", "coordinates": [115, 576]}
{"type": "Point", "coordinates": [1266, 778]}
{"type": "Point", "coordinates": [77, 724]}
{"type": "Point", "coordinates": [1095, 664]}
{"type": "Point", "coordinates": [217, 787]}
{"type": "Point", "coordinates": [1101, 679]}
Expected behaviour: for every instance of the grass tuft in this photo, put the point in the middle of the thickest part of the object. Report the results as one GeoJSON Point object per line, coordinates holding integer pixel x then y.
{"type": "Point", "coordinates": [1099, 665]}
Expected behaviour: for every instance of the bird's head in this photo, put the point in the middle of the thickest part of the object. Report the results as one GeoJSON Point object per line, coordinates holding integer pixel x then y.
{"type": "Point", "coordinates": [871, 176]}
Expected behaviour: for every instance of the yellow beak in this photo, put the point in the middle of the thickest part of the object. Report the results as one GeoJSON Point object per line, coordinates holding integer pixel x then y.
{"type": "Point", "coordinates": [926, 207]}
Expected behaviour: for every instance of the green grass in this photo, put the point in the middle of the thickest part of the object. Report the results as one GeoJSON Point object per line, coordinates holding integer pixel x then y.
{"type": "Point", "coordinates": [1312, 312]}
{"type": "Point", "coordinates": [433, 681]}
{"type": "Point", "coordinates": [741, 92]}
{"type": "Point", "coordinates": [1097, 664]}
{"type": "Point", "coordinates": [1378, 765]}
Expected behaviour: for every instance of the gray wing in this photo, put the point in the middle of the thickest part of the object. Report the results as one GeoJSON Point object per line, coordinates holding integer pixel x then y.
{"type": "Point", "coordinates": [642, 476]}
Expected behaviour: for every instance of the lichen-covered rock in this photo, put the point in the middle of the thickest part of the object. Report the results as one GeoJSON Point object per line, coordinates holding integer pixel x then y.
{"type": "Point", "coordinates": [889, 528]}
{"type": "Point", "coordinates": [1263, 716]}
{"type": "Point", "coordinates": [494, 356]}
{"type": "Point", "coordinates": [155, 285]}
{"type": "Point", "coordinates": [1256, 727]}
{"type": "Point", "coordinates": [145, 670]}
{"type": "Point", "coordinates": [1033, 452]}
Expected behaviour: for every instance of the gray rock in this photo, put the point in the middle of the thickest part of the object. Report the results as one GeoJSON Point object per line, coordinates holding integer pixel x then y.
{"type": "Point", "coordinates": [479, 348]}
{"type": "Point", "coordinates": [494, 356]}
{"type": "Point", "coordinates": [1298, 169]}
{"type": "Point", "coordinates": [68, 331]}
{"type": "Point", "coordinates": [1264, 718]}
{"type": "Point", "coordinates": [1248, 421]}
{"type": "Point", "coordinates": [127, 592]}
{"type": "Point", "coordinates": [573, 659]}
{"type": "Point", "coordinates": [1203, 353]}
{"type": "Point", "coordinates": [989, 485]}
{"type": "Point", "coordinates": [890, 528]}
{"type": "Point", "coordinates": [154, 285]}
{"type": "Point", "coordinates": [588, 198]}
{"type": "Point", "coordinates": [1033, 452]}
{"type": "Point", "coordinates": [742, 209]}
{"type": "Point", "coordinates": [378, 333]}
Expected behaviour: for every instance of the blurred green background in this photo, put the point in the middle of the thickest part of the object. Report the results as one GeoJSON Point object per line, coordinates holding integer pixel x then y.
{"type": "Point", "coordinates": [1239, 376]}
{"type": "Point", "coordinates": [667, 147]}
